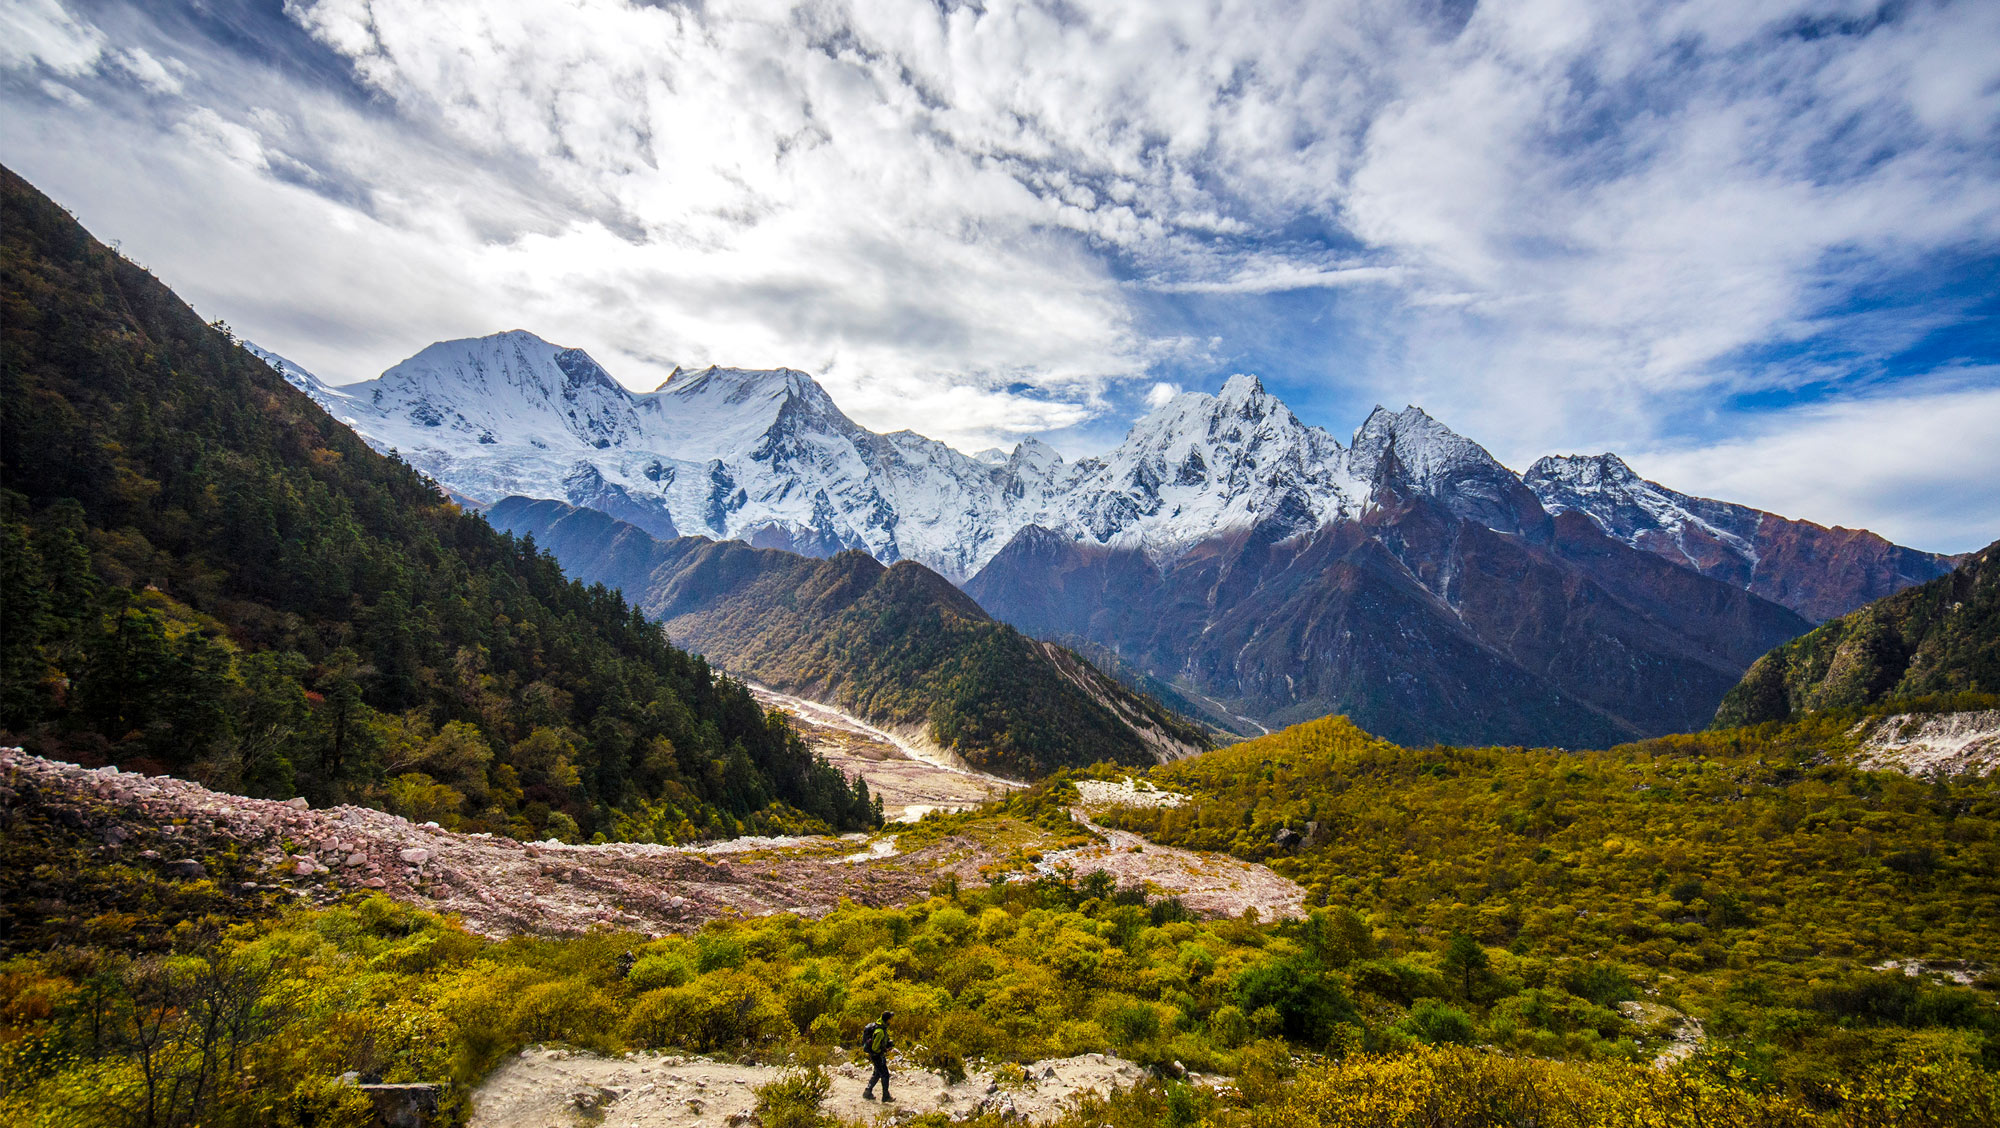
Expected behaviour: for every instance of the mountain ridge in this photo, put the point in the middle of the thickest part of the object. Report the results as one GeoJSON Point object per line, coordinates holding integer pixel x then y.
{"type": "Point", "coordinates": [1938, 638]}
{"type": "Point", "coordinates": [898, 645]}
{"type": "Point", "coordinates": [766, 456]}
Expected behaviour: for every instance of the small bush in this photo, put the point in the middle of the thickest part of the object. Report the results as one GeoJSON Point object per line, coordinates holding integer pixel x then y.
{"type": "Point", "coordinates": [794, 1099]}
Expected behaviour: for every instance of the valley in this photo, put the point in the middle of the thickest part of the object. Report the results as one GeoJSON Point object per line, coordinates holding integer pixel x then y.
{"type": "Point", "coordinates": [910, 779]}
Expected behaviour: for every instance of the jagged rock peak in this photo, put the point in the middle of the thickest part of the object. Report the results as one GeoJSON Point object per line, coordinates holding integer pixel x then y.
{"type": "Point", "coordinates": [1581, 470]}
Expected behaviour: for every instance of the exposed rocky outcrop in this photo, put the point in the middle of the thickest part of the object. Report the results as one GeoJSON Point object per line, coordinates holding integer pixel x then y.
{"type": "Point", "coordinates": [1931, 743]}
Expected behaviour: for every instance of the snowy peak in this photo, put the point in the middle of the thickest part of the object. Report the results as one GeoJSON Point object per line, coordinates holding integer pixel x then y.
{"type": "Point", "coordinates": [500, 388]}
{"type": "Point", "coordinates": [1710, 536]}
{"type": "Point", "coordinates": [1583, 472]}
{"type": "Point", "coordinates": [1408, 449]}
{"type": "Point", "coordinates": [716, 412]}
{"type": "Point", "coordinates": [1201, 465]}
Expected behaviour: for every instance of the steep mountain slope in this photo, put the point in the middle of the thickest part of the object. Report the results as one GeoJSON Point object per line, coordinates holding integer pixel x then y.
{"type": "Point", "coordinates": [1942, 637]}
{"type": "Point", "coordinates": [897, 645]}
{"type": "Point", "coordinates": [1819, 572]}
{"type": "Point", "coordinates": [203, 573]}
{"type": "Point", "coordinates": [1421, 625]}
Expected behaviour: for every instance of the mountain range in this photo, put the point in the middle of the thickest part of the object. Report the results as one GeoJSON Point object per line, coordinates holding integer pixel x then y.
{"type": "Point", "coordinates": [895, 644]}
{"type": "Point", "coordinates": [1255, 564]}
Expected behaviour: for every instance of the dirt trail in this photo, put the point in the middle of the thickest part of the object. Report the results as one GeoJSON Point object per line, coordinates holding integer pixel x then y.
{"type": "Point", "coordinates": [554, 1088]}
{"type": "Point", "coordinates": [1208, 884]}
{"type": "Point", "coordinates": [911, 779]}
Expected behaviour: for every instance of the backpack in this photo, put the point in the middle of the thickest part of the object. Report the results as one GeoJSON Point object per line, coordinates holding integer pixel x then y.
{"type": "Point", "coordinates": [875, 1038]}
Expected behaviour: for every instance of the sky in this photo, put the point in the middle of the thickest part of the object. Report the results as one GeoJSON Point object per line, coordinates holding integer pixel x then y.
{"type": "Point", "coordinates": [1752, 247]}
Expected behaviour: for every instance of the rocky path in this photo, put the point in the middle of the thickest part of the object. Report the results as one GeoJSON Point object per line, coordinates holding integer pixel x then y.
{"type": "Point", "coordinates": [912, 779]}
{"type": "Point", "coordinates": [1208, 884]}
{"type": "Point", "coordinates": [555, 1088]}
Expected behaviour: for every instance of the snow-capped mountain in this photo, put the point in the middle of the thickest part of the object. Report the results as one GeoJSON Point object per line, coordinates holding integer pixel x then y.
{"type": "Point", "coordinates": [1695, 531]}
{"type": "Point", "coordinates": [1224, 548]}
{"type": "Point", "coordinates": [1819, 572]}
{"type": "Point", "coordinates": [768, 457]}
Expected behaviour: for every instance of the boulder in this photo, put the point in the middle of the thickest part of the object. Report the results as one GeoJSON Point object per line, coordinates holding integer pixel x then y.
{"type": "Point", "coordinates": [404, 1106]}
{"type": "Point", "coordinates": [415, 855]}
{"type": "Point", "coordinates": [1287, 839]}
{"type": "Point", "coordinates": [297, 804]}
{"type": "Point", "coordinates": [187, 868]}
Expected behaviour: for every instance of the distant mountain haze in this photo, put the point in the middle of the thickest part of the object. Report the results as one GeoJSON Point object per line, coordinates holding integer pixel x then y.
{"type": "Point", "coordinates": [1224, 548]}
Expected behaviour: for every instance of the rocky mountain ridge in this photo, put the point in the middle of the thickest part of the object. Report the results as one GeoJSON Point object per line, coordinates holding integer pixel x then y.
{"type": "Point", "coordinates": [767, 457]}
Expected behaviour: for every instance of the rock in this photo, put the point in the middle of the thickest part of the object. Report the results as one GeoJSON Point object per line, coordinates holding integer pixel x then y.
{"type": "Point", "coordinates": [415, 855]}
{"type": "Point", "coordinates": [404, 1106]}
{"type": "Point", "coordinates": [297, 804]}
{"type": "Point", "coordinates": [149, 855]}
{"type": "Point", "coordinates": [115, 835]}
{"type": "Point", "coordinates": [306, 867]}
{"type": "Point", "coordinates": [743, 1120]}
{"type": "Point", "coordinates": [186, 867]}
{"type": "Point", "coordinates": [695, 1105]}
{"type": "Point", "coordinates": [357, 859]}
{"type": "Point", "coordinates": [1287, 838]}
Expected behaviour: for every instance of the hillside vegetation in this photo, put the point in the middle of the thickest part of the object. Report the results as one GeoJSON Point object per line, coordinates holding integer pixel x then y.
{"type": "Point", "coordinates": [205, 574]}
{"type": "Point", "coordinates": [1941, 637]}
{"type": "Point", "coordinates": [897, 645]}
{"type": "Point", "coordinates": [1751, 878]}
{"type": "Point", "coordinates": [1331, 1020]}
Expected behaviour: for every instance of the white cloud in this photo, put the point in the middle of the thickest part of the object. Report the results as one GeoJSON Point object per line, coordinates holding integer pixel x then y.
{"type": "Point", "coordinates": [1560, 223]}
{"type": "Point", "coordinates": [1160, 393]}
{"type": "Point", "coordinates": [43, 32]}
{"type": "Point", "coordinates": [1918, 469]}
{"type": "Point", "coordinates": [161, 77]}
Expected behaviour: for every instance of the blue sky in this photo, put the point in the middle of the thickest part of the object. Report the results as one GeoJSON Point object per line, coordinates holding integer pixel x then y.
{"type": "Point", "coordinates": [1755, 248]}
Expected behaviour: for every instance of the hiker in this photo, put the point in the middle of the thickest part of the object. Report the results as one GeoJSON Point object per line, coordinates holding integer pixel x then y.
{"type": "Point", "coordinates": [875, 1042]}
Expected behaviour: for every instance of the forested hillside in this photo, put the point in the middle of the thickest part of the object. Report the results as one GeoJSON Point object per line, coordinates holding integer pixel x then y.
{"type": "Point", "coordinates": [205, 574]}
{"type": "Point", "coordinates": [898, 645]}
{"type": "Point", "coordinates": [1941, 637]}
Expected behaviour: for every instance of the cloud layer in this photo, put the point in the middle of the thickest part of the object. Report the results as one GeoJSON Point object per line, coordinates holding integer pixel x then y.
{"type": "Point", "coordinates": [1691, 229]}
